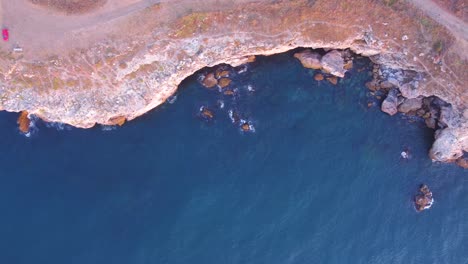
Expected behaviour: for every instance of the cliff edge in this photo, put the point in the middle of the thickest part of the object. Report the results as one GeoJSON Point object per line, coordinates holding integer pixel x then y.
{"type": "Point", "coordinates": [120, 59]}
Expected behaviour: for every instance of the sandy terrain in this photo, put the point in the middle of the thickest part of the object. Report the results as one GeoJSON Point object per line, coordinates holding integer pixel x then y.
{"type": "Point", "coordinates": [38, 29]}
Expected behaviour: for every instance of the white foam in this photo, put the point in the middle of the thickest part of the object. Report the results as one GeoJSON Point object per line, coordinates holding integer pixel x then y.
{"type": "Point", "coordinates": [171, 99]}
{"type": "Point", "coordinates": [243, 69]}
{"type": "Point", "coordinates": [108, 128]}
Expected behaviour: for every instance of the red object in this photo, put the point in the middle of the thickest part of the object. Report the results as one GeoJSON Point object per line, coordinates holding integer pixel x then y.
{"type": "Point", "coordinates": [5, 34]}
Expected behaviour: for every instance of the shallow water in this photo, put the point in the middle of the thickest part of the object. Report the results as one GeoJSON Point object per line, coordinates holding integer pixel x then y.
{"type": "Point", "coordinates": [320, 181]}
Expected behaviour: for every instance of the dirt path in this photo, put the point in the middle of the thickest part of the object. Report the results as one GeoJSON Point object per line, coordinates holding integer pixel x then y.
{"type": "Point", "coordinates": [455, 25]}
{"type": "Point", "coordinates": [38, 29]}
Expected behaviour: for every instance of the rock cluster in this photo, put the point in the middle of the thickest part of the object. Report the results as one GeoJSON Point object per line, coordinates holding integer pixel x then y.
{"type": "Point", "coordinates": [423, 200]}
{"type": "Point", "coordinates": [403, 96]}
{"type": "Point", "coordinates": [332, 62]}
{"type": "Point", "coordinates": [218, 78]}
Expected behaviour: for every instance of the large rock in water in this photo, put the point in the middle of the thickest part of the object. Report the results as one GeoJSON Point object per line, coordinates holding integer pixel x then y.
{"type": "Point", "coordinates": [447, 147]}
{"type": "Point", "coordinates": [333, 63]}
{"type": "Point", "coordinates": [309, 59]}
{"type": "Point", "coordinates": [423, 200]}
{"type": "Point", "coordinates": [390, 104]}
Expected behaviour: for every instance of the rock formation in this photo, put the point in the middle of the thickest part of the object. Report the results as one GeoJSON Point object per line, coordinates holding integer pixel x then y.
{"type": "Point", "coordinates": [423, 200]}
{"type": "Point", "coordinates": [390, 104]}
{"type": "Point", "coordinates": [121, 64]}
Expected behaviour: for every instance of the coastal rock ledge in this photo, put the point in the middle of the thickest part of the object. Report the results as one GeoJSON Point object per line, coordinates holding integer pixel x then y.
{"type": "Point", "coordinates": [110, 66]}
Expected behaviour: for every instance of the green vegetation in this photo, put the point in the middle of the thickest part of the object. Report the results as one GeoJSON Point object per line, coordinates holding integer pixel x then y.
{"type": "Point", "coordinates": [190, 24]}
{"type": "Point", "coordinates": [390, 2]}
{"type": "Point", "coordinates": [438, 46]}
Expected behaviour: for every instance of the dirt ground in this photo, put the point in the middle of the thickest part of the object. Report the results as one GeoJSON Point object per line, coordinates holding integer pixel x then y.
{"type": "Point", "coordinates": [71, 6]}
{"type": "Point", "coordinates": [457, 7]}
{"type": "Point", "coordinates": [58, 25]}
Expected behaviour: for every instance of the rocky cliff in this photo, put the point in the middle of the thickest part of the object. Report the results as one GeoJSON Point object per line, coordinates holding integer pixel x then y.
{"type": "Point", "coordinates": [125, 66]}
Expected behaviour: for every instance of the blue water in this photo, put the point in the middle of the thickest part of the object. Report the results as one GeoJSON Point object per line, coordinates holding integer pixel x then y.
{"type": "Point", "coordinates": [320, 181]}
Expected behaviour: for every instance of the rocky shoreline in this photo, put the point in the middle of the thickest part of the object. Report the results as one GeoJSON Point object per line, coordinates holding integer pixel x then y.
{"type": "Point", "coordinates": [119, 79]}
{"type": "Point", "coordinates": [399, 98]}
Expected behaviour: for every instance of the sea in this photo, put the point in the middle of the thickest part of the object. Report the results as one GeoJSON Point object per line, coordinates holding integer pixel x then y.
{"type": "Point", "coordinates": [317, 178]}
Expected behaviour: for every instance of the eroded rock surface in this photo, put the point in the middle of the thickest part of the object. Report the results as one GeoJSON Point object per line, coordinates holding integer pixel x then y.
{"type": "Point", "coordinates": [390, 104]}
{"type": "Point", "coordinates": [333, 63]}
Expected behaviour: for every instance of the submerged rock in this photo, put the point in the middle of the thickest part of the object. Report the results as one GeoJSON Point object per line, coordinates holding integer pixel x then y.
{"type": "Point", "coordinates": [24, 122]}
{"type": "Point", "coordinates": [348, 65]}
{"type": "Point", "coordinates": [318, 77]}
{"type": "Point", "coordinates": [228, 92]}
{"type": "Point", "coordinates": [333, 63]}
{"type": "Point", "coordinates": [373, 85]}
{"type": "Point", "coordinates": [423, 200]}
{"type": "Point", "coordinates": [206, 113]}
{"type": "Point", "coordinates": [309, 59]}
{"type": "Point", "coordinates": [221, 73]}
{"type": "Point", "coordinates": [333, 80]}
{"type": "Point", "coordinates": [224, 82]}
{"type": "Point", "coordinates": [390, 104]}
{"type": "Point", "coordinates": [209, 81]}
{"type": "Point", "coordinates": [245, 127]}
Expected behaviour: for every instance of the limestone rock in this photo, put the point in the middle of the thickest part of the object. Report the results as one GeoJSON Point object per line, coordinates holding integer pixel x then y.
{"type": "Point", "coordinates": [386, 85]}
{"type": "Point", "coordinates": [209, 81]}
{"type": "Point", "coordinates": [221, 73]}
{"type": "Point", "coordinates": [24, 122]}
{"type": "Point", "coordinates": [447, 147]}
{"type": "Point", "coordinates": [333, 80]}
{"type": "Point", "coordinates": [373, 85]}
{"type": "Point", "coordinates": [390, 104]}
{"type": "Point", "coordinates": [223, 82]}
{"type": "Point", "coordinates": [409, 90]}
{"type": "Point", "coordinates": [410, 105]}
{"type": "Point", "coordinates": [423, 200]}
{"type": "Point", "coordinates": [348, 65]}
{"type": "Point", "coordinates": [118, 120]}
{"type": "Point", "coordinates": [333, 63]}
{"type": "Point", "coordinates": [447, 118]}
{"type": "Point", "coordinates": [309, 59]}
{"type": "Point", "coordinates": [318, 77]}
{"type": "Point", "coordinates": [251, 59]}
{"type": "Point", "coordinates": [430, 122]}
{"type": "Point", "coordinates": [245, 127]}
{"type": "Point", "coordinates": [206, 113]}
{"type": "Point", "coordinates": [462, 162]}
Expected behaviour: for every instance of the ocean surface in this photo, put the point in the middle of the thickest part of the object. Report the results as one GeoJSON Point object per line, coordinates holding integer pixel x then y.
{"type": "Point", "coordinates": [319, 181]}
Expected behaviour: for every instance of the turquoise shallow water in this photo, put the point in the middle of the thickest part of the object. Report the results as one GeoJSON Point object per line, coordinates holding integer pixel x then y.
{"type": "Point", "coordinates": [320, 181]}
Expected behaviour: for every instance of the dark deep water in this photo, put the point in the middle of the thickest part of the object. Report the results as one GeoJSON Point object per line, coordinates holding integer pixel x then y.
{"type": "Point", "coordinates": [320, 181]}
